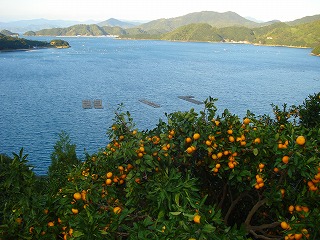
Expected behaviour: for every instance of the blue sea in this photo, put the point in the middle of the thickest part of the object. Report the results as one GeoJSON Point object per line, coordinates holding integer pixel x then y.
{"type": "Point", "coordinates": [41, 90]}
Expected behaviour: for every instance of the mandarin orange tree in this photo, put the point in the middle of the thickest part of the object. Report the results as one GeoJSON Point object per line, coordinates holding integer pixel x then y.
{"type": "Point", "coordinates": [196, 176]}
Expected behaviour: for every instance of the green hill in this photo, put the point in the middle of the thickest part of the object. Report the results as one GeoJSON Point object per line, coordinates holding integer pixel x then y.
{"type": "Point", "coordinates": [80, 29]}
{"type": "Point", "coordinates": [194, 32]}
{"type": "Point", "coordinates": [14, 43]}
{"type": "Point", "coordinates": [307, 19]}
{"type": "Point", "coordinates": [304, 35]}
{"type": "Point", "coordinates": [214, 19]}
{"type": "Point", "coordinates": [9, 33]}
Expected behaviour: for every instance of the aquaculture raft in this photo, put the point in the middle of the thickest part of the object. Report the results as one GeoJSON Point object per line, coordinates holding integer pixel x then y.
{"type": "Point", "coordinates": [190, 99]}
{"type": "Point", "coordinates": [97, 103]}
{"type": "Point", "coordinates": [86, 104]}
{"type": "Point", "coordinates": [152, 104]}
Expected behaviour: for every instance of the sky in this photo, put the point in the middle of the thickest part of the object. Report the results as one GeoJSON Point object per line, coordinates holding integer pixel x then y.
{"type": "Point", "coordinates": [100, 10]}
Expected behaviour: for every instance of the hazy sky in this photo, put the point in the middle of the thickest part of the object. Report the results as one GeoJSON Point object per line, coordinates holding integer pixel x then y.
{"type": "Point", "coordinates": [284, 10]}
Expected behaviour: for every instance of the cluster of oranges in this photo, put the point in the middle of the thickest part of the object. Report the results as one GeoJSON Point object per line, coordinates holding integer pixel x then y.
{"type": "Point", "coordinates": [294, 236]}
{"type": "Point", "coordinates": [259, 182]}
{"type": "Point", "coordinates": [312, 184]}
{"type": "Point", "coordinates": [188, 140]}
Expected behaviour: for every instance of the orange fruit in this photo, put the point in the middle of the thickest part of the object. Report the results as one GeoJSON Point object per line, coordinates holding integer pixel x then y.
{"type": "Point", "coordinates": [230, 131]}
{"type": "Point", "coordinates": [108, 181]}
{"type": "Point", "coordinates": [218, 165]}
{"type": "Point", "coordinates": [261, 165]}
{"type": "Point", "coordinates": [298, 236]}
{"type": "Point", "coordinates": [219, 154]}
{"type": "Point", "coordinates": [257, 140]}
{"type": "Point", "coordinates": [77, 196]}
{"type": "Point", "coordinates": [208, 143]}
{"type": "Point", "coordinates": [246, 121]}
{"type": "Point", "coordinates": [284, 225]}
{"type": "Point", "coordinates": [188, 140]}
{"type": "Point", "coordinates": [259, 180]}
{"type": "Point", "coordinates": [285, 159]}
{"type": "Point", "coordinates": [231, 165]}
{"type": "Point", "coordinates": [196, 218]}
{"type": "Point", "coordinates": [75, 211]}
{"type": "Point", "coordinates": [117, 210]}
{"type": "Point", "coordinates": [196, 136]}
{"type": "Point", "coordinates": [189, 150]}
{"type": "Point", "coordinates": [276, 169]}
{"type": "Point", "coordinates": [301, 140]}
{"type": "Point", "coordinates": [231, 139]}
{"type": "Point", "coordinates": [50, 224]}
{"type": "Point", "coordinates": [291, 208]}
{"type": "Point", "coordinates": [109, 174]}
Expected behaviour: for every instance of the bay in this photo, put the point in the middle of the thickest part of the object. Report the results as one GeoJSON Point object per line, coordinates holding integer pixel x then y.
{"type": "Point", "coordinates": [41, 90]}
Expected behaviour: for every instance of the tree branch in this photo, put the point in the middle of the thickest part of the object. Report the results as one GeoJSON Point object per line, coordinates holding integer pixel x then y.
{"type": "Point", "coordinates": [253, 211]}
{"type": "Point", "coordinates": [224, 194]}
{"type": "Point", "coordinates": [257, 236]}
{"type": "Point", "coordinates": [232, 206]}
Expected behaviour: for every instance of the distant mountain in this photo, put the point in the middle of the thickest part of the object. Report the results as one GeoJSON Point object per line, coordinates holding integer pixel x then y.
{"type": "Point", "coordinates": [79, 30]}
{"type": "Point", "coordinates": [214, 19]}
{"type": "Point", "coordinates": [37, 24]}
{"type": "Point", "coordinates": [306, 19]}
{"type": "Point", "coordinates": [112, 22]}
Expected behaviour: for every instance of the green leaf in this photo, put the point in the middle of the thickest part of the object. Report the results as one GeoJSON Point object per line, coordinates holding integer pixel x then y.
{"type": "Point", "coordinates": [77, 234]}
{"type": "Point", "coordinates": [209, 228]}
{"type": "Point", "coordinates": [175, 213]}
{"type": "Point", "coordinates": [177, 199]}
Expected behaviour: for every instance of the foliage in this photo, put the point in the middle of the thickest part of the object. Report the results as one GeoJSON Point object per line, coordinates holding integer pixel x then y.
{"type": "Point", "coordinates": [59, 43]}
{"type": "Point", "coordinates": [309, 111]}
{"type": "Point", "coordinates": [7, 43]}
{"type": "Point", "coordinates": [63, 159]}
{"type": "Point", "coordinates": [316, 50]}
{"type": "Point", "coordinates": [196, 176]}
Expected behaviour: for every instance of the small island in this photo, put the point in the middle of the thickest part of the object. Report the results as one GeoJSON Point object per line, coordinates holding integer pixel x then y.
{"type": "Point", "coordinates": [8, 43]}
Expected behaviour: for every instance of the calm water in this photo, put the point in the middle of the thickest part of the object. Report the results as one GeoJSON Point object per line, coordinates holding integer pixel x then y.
{"type": "Point", "coordinates": [41, 91]}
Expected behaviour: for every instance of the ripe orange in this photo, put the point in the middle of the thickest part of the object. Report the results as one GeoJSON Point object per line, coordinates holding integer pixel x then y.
{"type": "Point", "coordinates": [208, 143]}
{"type": "Point", "coordinates": [77, 196]}
{"type": "Point", "coordinates": [109, 174]}
{"type": "Point", "coordinates": [284, 225]}
{"type": "Point", "coordinates": [261, 165]}
{"type": "Point", "coordinates": [257, 140]}
{"type": "Point", "coordinates": [259, 180]}
{"type": "Point", "coordinates": [231, 165]}
{"type": "Point", "coordinates": [189, 150]}
{"type": "Point", "coordinates": [218, 165]}
{"type": "Point", "coordinates": [231, 139]}
{"type": "Point", "coordinates": [75, 211]}
{"type": "Point", "coordinates": [291, 208]}
{"type": "Point", "coordinates": [196, 218]}
{"type": "Point", "coordinates": [285, 159]}
{"type": "Point", "coordinates": [301, 140]}
{"type": "Point", "coordinates": [117, 210]}
{"type": "Point", "coordinates": [298, 236]}
{"type": "Point", "coordinates": [230, 131]}
{"type": "Point", "coordinates": [246, 121]}
{"type": "Point", "coordinates": [50, 224]}
{"type": "Point", "coordinates": [108, 181]}
{"type": "Point", "coordinates": [196, 136]}
{"type": "Point", "coordinates": [188, 140]}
